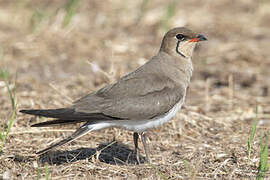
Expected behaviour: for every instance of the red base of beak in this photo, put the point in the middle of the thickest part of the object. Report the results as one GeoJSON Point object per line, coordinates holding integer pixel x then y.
{"type": "Point", "coordinates": [194, 40]}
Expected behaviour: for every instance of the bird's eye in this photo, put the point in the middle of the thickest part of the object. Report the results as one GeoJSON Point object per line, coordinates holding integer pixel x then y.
{"type": "Point", "coordinates": [180, 37]}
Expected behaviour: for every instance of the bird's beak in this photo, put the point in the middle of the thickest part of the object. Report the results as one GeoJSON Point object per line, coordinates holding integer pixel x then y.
{"type": "Point", "coordinates": [201, 37]}
{"type": "Point", "coordinates": [198, 38]}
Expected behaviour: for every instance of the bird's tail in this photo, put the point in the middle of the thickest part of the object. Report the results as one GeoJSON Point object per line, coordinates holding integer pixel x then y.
{"type": "Point", "coordinates": [78, 133]}
{"type": "Point", "coordinates": [66, 116]}
{"type": "Point", "coordinates": [63, 115]}
{"type": "Point", "coordinates": [53, 113]}
{"type": "Point", "coordinates": [69, 115]}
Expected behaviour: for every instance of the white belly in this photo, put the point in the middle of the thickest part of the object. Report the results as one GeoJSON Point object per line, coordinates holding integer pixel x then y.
{"type": "Point", "coordinates": [142, 125]}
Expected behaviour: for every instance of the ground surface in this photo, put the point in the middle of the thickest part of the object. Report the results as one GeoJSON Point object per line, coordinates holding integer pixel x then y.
{"type": "Point", "coordinates": [106, 39]}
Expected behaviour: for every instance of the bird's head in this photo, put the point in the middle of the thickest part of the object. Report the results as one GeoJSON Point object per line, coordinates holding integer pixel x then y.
{"type": "Point", "coordinates": [180, 41]}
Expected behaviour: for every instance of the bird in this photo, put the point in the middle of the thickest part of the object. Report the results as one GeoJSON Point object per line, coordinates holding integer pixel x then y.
{"type": "Point", "coordinates": [139, 101]}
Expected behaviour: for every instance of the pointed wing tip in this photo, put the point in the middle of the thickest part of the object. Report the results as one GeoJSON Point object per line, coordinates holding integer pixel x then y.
{"type": "Point", "coordinates": [23, 111]}
{"type": "Point", "coordinates": [35, 125]}
{"type": "Point", "coordinates": [29, 111]}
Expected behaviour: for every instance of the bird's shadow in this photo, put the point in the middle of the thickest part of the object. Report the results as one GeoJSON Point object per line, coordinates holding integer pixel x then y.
{"type": "Point", "coordinates": [113, 153]}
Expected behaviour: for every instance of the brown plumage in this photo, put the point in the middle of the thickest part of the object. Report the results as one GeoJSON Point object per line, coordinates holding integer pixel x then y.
{"type": "Point", "coordinates": [143, 99]}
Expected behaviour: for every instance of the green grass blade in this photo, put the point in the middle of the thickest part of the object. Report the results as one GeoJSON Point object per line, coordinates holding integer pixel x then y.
{"type": "Point", "coordinates": [263, 165]}
{"type": "Point", "coordinates": [10, 123]}
{"type": "Point", "coordinates": [252, 134]}
{"type": "Point", "coordinates": [71, 8]}
{"type": "Point", "coordinates": [38, 172]}
{"type": "Point", "coordinates": [2, 137]}
{"type": "Point", "coordinates": [5, 135]}
{"type": "Point", "coordinates": [4, 74]}
{"type": "Point", "coordinates": [47, 172]}
{"type": "Point", "coordinates": [186, 165]}
{"type": "Point", "coordinates": [12, 95]}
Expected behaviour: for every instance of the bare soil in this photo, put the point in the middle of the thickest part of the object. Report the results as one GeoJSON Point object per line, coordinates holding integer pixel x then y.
{"type": "Point", "coordinates": [55, 65]}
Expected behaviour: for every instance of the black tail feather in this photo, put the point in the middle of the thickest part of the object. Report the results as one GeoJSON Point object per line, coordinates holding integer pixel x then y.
{"type": "Point", "coordinates": [65, 116]}
{"type": "Point", "coordinates": [54, 113]}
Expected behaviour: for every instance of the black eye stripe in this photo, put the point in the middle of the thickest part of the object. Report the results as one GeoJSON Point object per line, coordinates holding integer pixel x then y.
{"type": "Point", "coordinates": [180, 37]}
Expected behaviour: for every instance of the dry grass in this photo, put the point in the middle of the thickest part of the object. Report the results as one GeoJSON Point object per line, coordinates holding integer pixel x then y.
{"type": "Point", "coordinates": [51, 56]}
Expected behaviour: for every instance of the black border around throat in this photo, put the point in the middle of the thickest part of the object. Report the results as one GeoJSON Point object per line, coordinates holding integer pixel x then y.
{"type": "Point", "coordinates": [177, 45]}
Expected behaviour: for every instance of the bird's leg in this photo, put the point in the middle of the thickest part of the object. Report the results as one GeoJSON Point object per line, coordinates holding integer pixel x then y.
{"type": "Point", "coordinates": [146, 147]}
{"type": "Point", "coordinates": [135, 138]}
